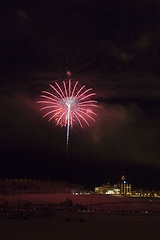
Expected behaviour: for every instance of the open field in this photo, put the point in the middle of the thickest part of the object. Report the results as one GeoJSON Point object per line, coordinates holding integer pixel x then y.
{"type": "Point", "coordinates": [81, 217]}
{"type": "Point", "coordinates": [82, 202]}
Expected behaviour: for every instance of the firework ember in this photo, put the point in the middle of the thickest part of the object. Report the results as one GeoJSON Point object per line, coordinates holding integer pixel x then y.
{"type": "Point", "coordinates": [68, 104]}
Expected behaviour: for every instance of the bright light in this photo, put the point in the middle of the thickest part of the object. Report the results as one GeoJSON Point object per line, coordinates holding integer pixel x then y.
{"type": "Point", "coordinates": [68, 104]}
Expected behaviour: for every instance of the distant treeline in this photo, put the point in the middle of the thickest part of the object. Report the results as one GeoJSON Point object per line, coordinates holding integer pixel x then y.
{"type": "Point", "coordinates": [28, 186]}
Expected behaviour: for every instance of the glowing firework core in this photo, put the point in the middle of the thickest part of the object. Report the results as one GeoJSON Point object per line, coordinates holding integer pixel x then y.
{"type": "Point", "coordinates": [69, 102]}
{"type": "Point", "coordinates": [67, 105]}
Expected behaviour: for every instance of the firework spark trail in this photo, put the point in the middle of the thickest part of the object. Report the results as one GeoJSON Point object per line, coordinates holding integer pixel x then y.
{"type": "Point", "coordinates": [68, 123]}
{"type": "Point", "coordinates": [69, 104]}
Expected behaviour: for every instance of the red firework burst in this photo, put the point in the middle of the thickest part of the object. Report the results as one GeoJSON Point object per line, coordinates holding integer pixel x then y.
{"type": "Point", "coordinates": [68, 104]}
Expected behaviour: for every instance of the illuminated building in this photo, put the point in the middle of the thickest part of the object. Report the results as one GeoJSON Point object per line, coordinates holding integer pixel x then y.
{"type": "Point", "coordinates": [107, 189]}
{"type": "Point", "coordinates": [125, 188]}
{"type": "Point", "coordinates": [102, 189]}
{"type": "Point", "coordinates": [121, 187]}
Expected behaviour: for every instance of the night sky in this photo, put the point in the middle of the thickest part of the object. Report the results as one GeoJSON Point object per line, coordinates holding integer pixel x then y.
{"type": "Point", "coordinates": [112, 46]}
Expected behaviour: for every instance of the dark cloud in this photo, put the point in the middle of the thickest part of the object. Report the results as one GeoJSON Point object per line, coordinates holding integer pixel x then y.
{"type": "Point", "coordinates": [123, 129]}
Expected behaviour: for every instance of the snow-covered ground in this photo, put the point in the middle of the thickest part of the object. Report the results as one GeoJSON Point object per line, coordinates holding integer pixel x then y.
{"type": "Point", "coordinates": [93, 225]}
{"type": "Point", "coordinates": [92, 201]}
